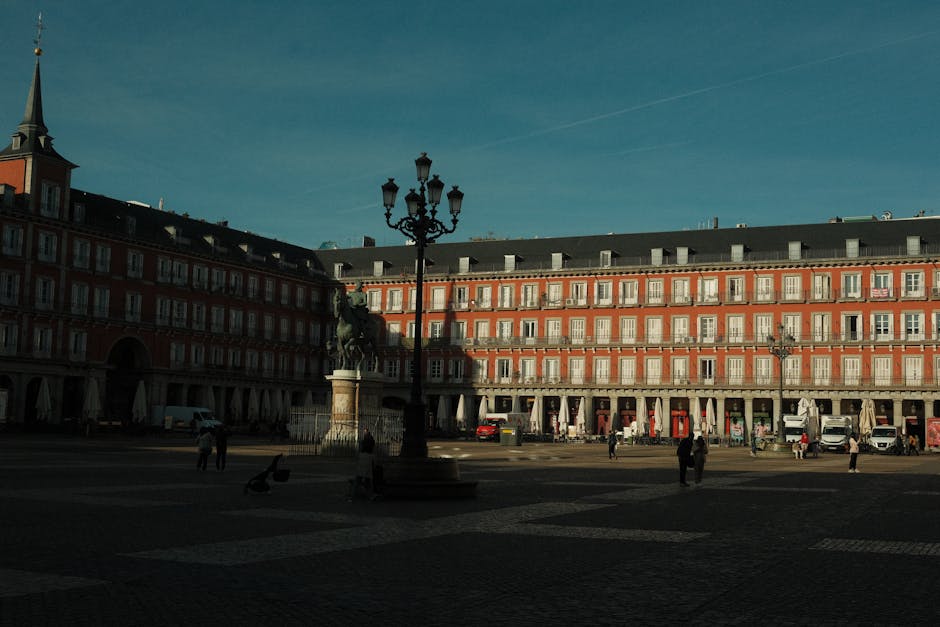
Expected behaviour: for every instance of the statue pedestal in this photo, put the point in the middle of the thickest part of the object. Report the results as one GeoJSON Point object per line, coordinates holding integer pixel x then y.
{"type": "Point", "coordinates": [355, 393]}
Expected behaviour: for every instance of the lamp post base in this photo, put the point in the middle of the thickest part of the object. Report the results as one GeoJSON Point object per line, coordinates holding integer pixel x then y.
{"type": "Point", "coordinates": [414, 444]}
{"type": "Point", "coordinates": [424, 478]}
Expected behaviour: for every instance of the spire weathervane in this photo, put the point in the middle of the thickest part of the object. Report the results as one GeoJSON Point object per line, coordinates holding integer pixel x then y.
{"type": "Point", "coordinates": [38, 40]}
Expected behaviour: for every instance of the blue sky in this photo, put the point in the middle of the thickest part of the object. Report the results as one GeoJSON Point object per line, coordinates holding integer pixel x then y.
{"type": "Point", "coordinates": [554, 117]}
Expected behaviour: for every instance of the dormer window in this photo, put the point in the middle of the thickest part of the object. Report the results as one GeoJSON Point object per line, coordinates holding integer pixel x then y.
{"type": "Point", "coordinates": [656, 256]}
{"type": "Point", "coordinates": [851, 248]}
{"type": "Point", "coordinates": [794, 251]}
{"type": "Point", "coordinates": [464, 264]}
{"type": "Point", "coordinates": [558, 261]}
{"type": "Point", "coordinates": [737, 252]}
{"type": "Point", "coordinates": [78, 213]}
{"type": "Point", "coordinates": [913, 244]}
{"type": "Point", "coordinates": [131, 225]}
{"type": "Point", "coordinates": [339, 270]}
{"type": "Point", "coordinates": [509, 262]}
{"type": "Point", "coordinates": [607, 258]}
{"type": "Point", "coordinates": [378, 267]}
{"type": "Point", "coordinates": [682, 255]}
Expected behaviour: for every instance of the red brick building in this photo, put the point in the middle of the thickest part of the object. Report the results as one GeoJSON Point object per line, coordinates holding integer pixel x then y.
{"type": "Point", "coordinates": [97, 292]}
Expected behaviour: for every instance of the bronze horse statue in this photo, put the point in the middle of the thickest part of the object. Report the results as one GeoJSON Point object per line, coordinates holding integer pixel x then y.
{"type": "Point", "coordinates": [356, 333]}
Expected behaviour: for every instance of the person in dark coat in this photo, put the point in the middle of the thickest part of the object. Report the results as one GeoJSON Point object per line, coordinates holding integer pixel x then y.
{"type": "Point", "coordinates": [611, 445]}
{"type": "Point", "coordinates": [221, 447]}
{"type": "Point", "coordinates": [684, 453]}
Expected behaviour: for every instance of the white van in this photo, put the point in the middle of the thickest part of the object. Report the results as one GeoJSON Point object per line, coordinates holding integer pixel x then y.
{"type": "Point", "coordinates": [884, 439]}
{"type": "Point", "coordinates": [180, 417]}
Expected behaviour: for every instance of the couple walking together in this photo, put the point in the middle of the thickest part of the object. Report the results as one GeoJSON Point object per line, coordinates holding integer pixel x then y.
{"type": "Point", "coordinates": [691, 453]}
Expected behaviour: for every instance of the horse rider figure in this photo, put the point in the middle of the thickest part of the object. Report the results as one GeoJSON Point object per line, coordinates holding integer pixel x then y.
{"type": "Point", "coordinates": [355, 328]}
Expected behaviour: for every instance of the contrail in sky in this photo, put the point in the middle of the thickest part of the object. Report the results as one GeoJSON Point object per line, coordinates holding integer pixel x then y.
{"type": "Point", "coordinates": [702, 90]}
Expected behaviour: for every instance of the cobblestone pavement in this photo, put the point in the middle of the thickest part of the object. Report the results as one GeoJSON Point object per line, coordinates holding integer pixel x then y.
{"type": "Point", "coordinates": [119, 531]}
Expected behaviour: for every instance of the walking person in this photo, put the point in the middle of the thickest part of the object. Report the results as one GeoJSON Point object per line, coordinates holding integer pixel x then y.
{"type": "Point", "coordinates": [204, 443]}
{"type": "Point", "coordinates": [754, 441]}
{"type": "Point", "coordinates": [612, 445]}
{"type": "Point", "coordinates": [221, 447]}
{"type": "Point", "coordinates": [684, 453]}
{"type": "Point", "coordinates": [853, 453]}
{"type": "Point", "coordinates": [913, 445]}
{"type": "Point", "coordinates": [804, 445]}
{"type": "Point", "coordinates": [699, 451]}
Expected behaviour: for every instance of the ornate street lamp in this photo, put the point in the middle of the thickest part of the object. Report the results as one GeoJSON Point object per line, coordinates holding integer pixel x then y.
{"type": "Point", "coordinates": [781, 348]}
{"type": "Point", "coordinates": [422, 226]}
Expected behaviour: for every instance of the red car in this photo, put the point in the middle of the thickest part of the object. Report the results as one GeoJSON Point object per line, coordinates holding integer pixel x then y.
{"type": "Point", "coordinates": [489, 429]}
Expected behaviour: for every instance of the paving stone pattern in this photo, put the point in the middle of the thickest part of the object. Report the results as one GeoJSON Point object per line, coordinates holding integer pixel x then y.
{"type": "Point", "coordinates": [120, 531]}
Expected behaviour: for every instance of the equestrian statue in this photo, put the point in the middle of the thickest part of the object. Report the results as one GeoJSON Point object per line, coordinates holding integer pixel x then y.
{"type": "Point", "coordinates": [356, 330]}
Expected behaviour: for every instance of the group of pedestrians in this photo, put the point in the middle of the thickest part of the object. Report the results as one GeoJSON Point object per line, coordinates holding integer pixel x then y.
{"type": "Point", "coordinates": [205, 442]}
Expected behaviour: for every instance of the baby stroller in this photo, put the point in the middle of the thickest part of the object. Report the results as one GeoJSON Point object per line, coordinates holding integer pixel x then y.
{"type": "Point", "coordinates": [259, 483]}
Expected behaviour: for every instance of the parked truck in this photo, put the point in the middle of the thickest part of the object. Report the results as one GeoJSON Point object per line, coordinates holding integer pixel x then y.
{"type": "Point", "coordinates": [795, 426]}
{"type": "Point", "coordinates": [836, 430]}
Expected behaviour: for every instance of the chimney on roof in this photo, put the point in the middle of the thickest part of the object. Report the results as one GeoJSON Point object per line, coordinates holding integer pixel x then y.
{"type": "Point", "coordinates": [715, 222]}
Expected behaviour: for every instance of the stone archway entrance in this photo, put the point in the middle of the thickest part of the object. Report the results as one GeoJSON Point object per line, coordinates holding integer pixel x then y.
{"type": "Point", "coordinates": [128, 362]}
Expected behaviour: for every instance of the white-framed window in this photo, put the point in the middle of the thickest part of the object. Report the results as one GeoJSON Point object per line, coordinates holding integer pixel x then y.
{"type": "Point", "coordinates": [680, 291]}
{"type": "Point", "coordinates": [653, 370]}
{"type": "Point", "coordinates": [234, 358]}
{"type": "Point", "coordinates": [881, 368]}
{"type": "Point", "coordinates": [300, 297]}
{"type": "Point", "coordinates": [484, 296]}
{"type": "Point", "coordinates": [576, 330]}
{"type": "Point", "coordinates": [300, 328]}
{"type": "Point", "coordinates": [45, 293]}
{"type": "Point", "coordinates": [199, 316]}
{"type": "Point", "coordinates": [505, 296]}
{"type": "Point", "coordinates": [882, 326]}
{"type": "Point", "coordinates": [198, 355]}
{"type": "Point", "coordinates": [627, 368]}
{"type": "Point", "coordinates": [180, 272]}
{"type": "Point", "coordinates": [200, 277]}
{"type": "Point", "coordinates": [680, 329]}
{"type": "Point", "coordinates": [680, 370]}
{"type": "Point", "coordinates": [707, 329]}
{"type": "Point", "coordinates": [164, 270]}
{"type": "Point", "coordinates": [628, 330]}
{"type": "Point", "coordinates": [217, 280]}
{"type": "Point", "coordinates": [793, 287]}
{"type": "Point", "coordinates": [606, 258]}
{"type": "Point", "coordinates": [12, 240]}
{"type": "Point", "coordinates": [881, 285]}
{"type": "Point", "coordinates": [629, 292]}
{"type": "Point", "coordinates": [852, 327]}
{"type": "Point", "coordinates": [392, 369]}
{"type": "Point", "coordinates": [235, 283]}
{"type": "Point", "coordinates": [102, 301]}
{"type": "Point", "coordinates": [654, 291]}
{"type": "Point", "coordinates": [374, 300]}
{"type": "Point", "coordinates": [132, 306]}
{"type": "Point", "coordinates": [81, 253]}
{"type": "Point", "coordinates": [914, 244]}
{"type": "Point", "coordinates": [9, 288]}
{"type": "Point", "coordinates": [530, 295]}
{"type": "Point", "coordinates": [285, 293]}
{"type": "Point", "coordinates": [913, 370]}
{"type": "Point", "coordinates": [135, 264]}
{"type": "Point", "coordinates": [393, 333]}
{"type": "Point", "coordinates": [481, 330]}
{"type": "Point", "coordinates": [529, 330]}
{"type": "Point", "coordinates": [9, 334]}
{"type": "Point", "coordinates": [436, 371]}
{"type": "Point", "coordinates": [851, 248]}
{"type": "Point", "coordinates": [503, 370]}
{"type": "Point", "coordinates": [458, 332]}
{"type": "Point", "coordinates": [763, 370]}
{"type": "Point", "coordinates": [576, 370]}
{"type": "Point", "coordinates": [554, 296]}
{"type": "Point", "coordinates": [251, 361]}
{"type": "Point", "coordinates": [458, 370]}
{"type": "Point", "coordinates": [602, 370]}
{"type": "Point", "coordinates": [763, 327]}
{"type": "Point", "coordinates": [78, 342]}
{"type": "Point", "coordinates": [913, 325]}
{"type": "Point", "coordinates": [822, 327]}
{"type": "Point", "coordinates": [792, 325]}
{"type": "Point", "coordinates": [551, 370]}
{"type": "Point", "coordinates": [735, 289]}
{"type": "Point", "coordinates": [578, 291]}
{"type": "Point", "coordinates": [654, 330]}
{"type": "Point", "coordinates": [735, 327]}
{"type": "Point", "coordinates": [602, 330]}
{"type": "Point", "coordinates": [912, 284]}
{"type": "Point", "coordinates": [102, 258]}
{"type": "Point", "coordinates": [764, 288]}
{"type": "Point", "coordinates": [47, 245]}
{"type": "Point", "coordinates": [480, 371]}
{"type": "Point", "coordinates": [42, 341]}
{"type": "Point", "coordinates": [851, 370]}
{"type": "Point", "coordinates": [822, 370]}
{"type": "Point", "coordinates": [269, 286]}
{"type": "Point", "coordinates": [162, 313]}
{"type": "Point", "coordinates": [553, 330]}
{"type": "Point", "coordinates": [461, 297]}
{"type": "Point", "coordinates": [438, 298]}
{"type": "Point", "coordinates": [708, 290]}
{"type": "Point", "coordinates": [283, 329]}
{"type": "Point", "coordinates": [735, 367]}
{"type": "Point", "coordinates": [794, 250]}
{"type": "Point", "coordinates": [217, 322]}
{"type": "Point", "coordinates": [504, 330]}
{"type": "Point", "coordinates": [706, 370]}
{"type": "Point", "coordinates": [851, 285]}
{"type": "Point", "coordinates": [604, 293]}
{"type": "Point", "coordinates": [394, 300]}
{"type": "Point", "coordinates": [177, 353]}
{"type": "Point", "coordinates": [253, 286]}
{"type": "Point", "coordinates": [436, 329]}
{"type": "Point", "coordinates": [235, 318]}
{"type": "Point", "coordinates": [822, 286]}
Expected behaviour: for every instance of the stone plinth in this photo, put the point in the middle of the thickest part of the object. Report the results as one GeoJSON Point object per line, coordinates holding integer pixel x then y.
{"type": "Point", "coordinates": [424, 478]}
{"type": "Point", "coordinates": [355, 393]}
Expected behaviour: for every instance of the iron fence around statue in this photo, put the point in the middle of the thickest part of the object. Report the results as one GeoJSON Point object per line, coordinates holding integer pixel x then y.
{"type": "Point", "coordinates": [311, 434]}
